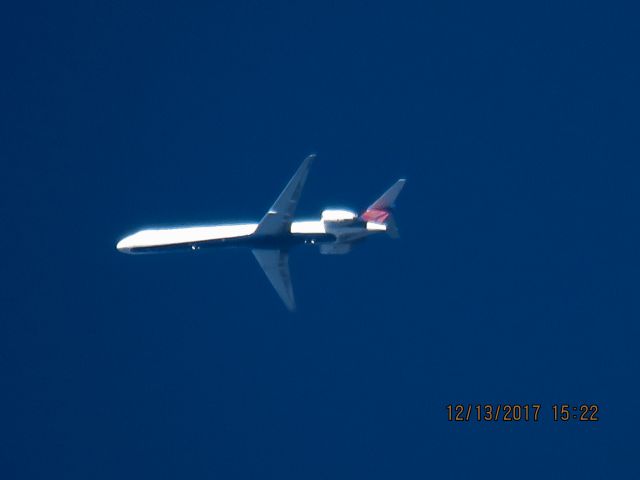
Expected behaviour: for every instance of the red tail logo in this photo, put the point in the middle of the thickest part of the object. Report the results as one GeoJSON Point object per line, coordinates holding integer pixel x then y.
{"type": "Point", "coordinates": [375, 215]}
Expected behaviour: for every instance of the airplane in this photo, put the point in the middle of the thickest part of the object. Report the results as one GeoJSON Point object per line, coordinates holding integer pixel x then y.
{"type": "Point", "coordinates": [271, 239]}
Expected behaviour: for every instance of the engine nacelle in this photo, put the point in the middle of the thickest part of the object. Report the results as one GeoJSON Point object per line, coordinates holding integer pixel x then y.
{"type": "Point", "coordinates": [339, 216]}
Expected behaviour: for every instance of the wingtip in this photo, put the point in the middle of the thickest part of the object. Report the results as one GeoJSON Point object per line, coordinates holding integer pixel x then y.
{"type": "Point", "coordinates": [306, 163]}
{"type": "Point", "coordinates": [290, 303]}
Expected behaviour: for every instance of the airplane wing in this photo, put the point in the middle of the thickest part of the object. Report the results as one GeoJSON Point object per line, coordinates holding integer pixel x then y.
{"type": "Point", "coordinates": [278, 219]}
{"type": "Point", "coordinates": [275, 264]}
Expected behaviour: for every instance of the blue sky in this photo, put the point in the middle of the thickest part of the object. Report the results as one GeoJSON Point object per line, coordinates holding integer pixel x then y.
{"type": "Point", "coordinates": [515, 279]}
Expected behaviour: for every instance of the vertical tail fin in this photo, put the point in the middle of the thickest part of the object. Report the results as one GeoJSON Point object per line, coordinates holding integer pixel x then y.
{"type": "Point", "coordinates": [387, 199]}
{"type": "Point", "coordinates": [380, 210]}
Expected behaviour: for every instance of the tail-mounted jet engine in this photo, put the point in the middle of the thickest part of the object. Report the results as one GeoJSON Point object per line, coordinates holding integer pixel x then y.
{"type": "Point", "coordinates": [339, 216]}
{"type": "Point", "coordinates": [345, 227]}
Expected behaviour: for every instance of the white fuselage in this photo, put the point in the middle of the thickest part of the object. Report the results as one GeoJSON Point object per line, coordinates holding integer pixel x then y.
{"type": "Point", "coordinates": [312, 231]}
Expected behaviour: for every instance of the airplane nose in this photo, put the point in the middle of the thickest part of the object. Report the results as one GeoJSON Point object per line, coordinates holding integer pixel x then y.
{"type": "Point", "coordinates": [122, 246]}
